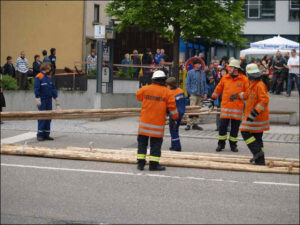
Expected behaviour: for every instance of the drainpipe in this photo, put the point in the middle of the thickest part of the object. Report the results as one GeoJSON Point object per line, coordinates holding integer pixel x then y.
{"type": "Point", "coordinates": [84, 35]}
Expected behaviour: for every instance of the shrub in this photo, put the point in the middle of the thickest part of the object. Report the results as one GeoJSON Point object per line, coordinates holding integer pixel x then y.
{"type": "Point", "coordinates": [9, 83]}
{"type": "Point", "coordinates": [92, 73]}
{"type": "Point", "coordinates": [31, 84]}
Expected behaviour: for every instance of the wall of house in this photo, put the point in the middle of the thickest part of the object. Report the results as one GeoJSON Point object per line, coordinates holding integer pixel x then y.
{"type": "Point", "coordinates": [33, 26]}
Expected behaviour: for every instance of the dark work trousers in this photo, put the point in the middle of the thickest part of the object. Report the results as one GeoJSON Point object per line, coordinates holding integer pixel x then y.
{"type": "Point", "coordinates": [22, 80]}
{"type": "Point", "coordinates": [175, 140]}
{"type": "Point", "coordinates": [265, 79]}
{"type": "Point", "coordinates": [155, 147]}
{"type": "Point", "coordinates": [44, 125]}
{"type": "Point", "coordinates": [277, 82]}
{"type": "Point", "coordinates": [255, 143]}
{"type": "Point", "coordinates": [235, 125]}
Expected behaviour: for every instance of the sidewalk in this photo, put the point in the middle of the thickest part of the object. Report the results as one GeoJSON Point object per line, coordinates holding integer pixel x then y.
{"type": "Point", "coordinates": [282, 133]}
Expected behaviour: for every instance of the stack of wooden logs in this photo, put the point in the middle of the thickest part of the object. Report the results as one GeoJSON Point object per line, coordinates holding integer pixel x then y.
{"type": "Point", "coordinates": [175, 159]}
{"type": "Point", "coordinates": [88, 113]}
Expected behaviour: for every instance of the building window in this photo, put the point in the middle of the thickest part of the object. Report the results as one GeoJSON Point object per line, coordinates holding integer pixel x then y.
{"type": "Point", "coordinates": [96, 13]}
{"type": "Point", "coordinates": [294, 6]}
{"type": "Point", "coordinates": [260, 9]}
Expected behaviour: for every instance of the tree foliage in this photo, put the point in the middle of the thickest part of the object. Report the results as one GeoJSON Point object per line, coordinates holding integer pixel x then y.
{"type": "Point", "coordinates": [209, 19]}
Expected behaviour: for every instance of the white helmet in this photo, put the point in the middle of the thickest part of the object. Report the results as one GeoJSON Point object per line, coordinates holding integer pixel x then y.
{"type": "Point", "coordinates": [235, 63]}
{"type": "Point", "coordinates": [158, 74]}
{"type": "Point", "coordinates": [253, 71]}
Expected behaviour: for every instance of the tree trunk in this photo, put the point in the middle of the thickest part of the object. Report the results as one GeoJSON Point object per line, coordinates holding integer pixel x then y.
{"type": "Point", "coordinates": [176, 41]}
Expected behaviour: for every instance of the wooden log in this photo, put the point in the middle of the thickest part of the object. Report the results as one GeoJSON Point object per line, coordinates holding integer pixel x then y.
{"type": "Point", "coordinates": [182, 155]}
{"type": "Point", "coordinates": [82, 114]}
{"type": "Point", "coordinates": [128, 158]}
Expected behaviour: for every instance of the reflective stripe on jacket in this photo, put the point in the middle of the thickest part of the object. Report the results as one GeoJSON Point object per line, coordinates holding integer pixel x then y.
{"type": "Point", "coordinates": [180, 100]}
{"type": "Point", "coordinates": [256, 98]}
{"type": "Point", "coordinates": [156, 99]}
{"type": "Point", "coordinates": [227, 87]}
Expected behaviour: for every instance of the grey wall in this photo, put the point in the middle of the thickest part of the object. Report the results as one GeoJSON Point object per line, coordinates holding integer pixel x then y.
{"type": "Point", "coordinates": [25, 100]}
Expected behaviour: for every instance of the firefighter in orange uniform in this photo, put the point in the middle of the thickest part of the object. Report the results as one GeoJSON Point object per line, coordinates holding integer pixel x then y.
{"type": "Point", "coordinates": [231, 111]}
{"type": "Point", "coordinates": [156, 100]}
{"type": "Point", "coordinates": [256, 115]}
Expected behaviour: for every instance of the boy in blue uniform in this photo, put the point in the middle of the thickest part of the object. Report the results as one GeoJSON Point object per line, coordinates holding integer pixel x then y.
{"type": "Point", "coordinates": [180, 104]}
{"type": "Point", "coordinates": [44, 91]}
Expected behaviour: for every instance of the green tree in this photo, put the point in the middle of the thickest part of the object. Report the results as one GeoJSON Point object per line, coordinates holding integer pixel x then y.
{"type": "Point", "coordinates": [209, 19]}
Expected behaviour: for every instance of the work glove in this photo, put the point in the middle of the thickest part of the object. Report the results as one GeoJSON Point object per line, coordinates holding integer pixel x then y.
{"type": "Point", "coordinates": [252, 115]}
{"type": "Point", "coordinates": [38, 102]}
{"type": "Point", "coordinates": [57, 105]}
{"type": "Point", "coordinates": [211, 103]}
{"type": "Point", "coordinates": [174, 124]}
{"type": "Point", "coordinates": [233, 97]}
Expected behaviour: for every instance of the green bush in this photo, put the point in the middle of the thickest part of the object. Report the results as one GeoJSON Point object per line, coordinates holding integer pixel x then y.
{"type": "Point", "coordinates": [31, 85]}
{"type": "Point", "coordinates": [125, 74]}
{"type": "Point", "coordinates": [92, 73]}
{"type": "Point", "coordinates": [9, 83]}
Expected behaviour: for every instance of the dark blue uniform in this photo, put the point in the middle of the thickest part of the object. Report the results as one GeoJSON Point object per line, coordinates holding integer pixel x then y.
{"type": "Point", "coordinates": [45, 90]}
{"type": "Point", "coordinates": [180, 104]}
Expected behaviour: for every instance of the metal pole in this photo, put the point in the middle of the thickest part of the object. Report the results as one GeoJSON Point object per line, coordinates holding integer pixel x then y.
{"type": "Point", "coordinates": [111, 55]}
{"type": "Point", "coordinates": [99, 65]}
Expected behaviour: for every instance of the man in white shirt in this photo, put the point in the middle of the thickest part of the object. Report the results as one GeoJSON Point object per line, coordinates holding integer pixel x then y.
{"type": "Point", "coordinates": [293, 65]}
{"type": "Point", "coordinates": [92, 60]}
{"type": "Point", "coordinates": [22, 68]}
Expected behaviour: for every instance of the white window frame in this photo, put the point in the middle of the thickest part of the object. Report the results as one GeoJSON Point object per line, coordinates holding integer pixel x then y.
{"type": "Point", "coordinates": [291, 6]}
{"type": "Point", "coordinates": [258, 5]}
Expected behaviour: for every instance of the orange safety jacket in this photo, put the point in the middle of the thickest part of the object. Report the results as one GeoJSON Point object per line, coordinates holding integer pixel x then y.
{"type": "Point", "coordinates": [156, 99]}
{"type": "Point", "coordinates": [256, 98]}
{"type": "Point", "coordinates": [227, 87]}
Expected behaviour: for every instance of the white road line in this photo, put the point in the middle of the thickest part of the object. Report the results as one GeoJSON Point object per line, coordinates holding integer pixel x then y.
{"type": "Point", "coordinates": [140, 174]}
{"type": "Point", "coordinates": [272, 183]}
{"type": "Point", "coordinates": [18, 138]}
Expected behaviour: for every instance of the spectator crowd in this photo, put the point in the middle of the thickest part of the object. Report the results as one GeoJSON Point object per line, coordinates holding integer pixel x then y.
{"type": "Point", "coordinates": [21, 70]}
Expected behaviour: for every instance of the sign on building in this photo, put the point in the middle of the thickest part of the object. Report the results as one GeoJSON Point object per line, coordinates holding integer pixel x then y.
{"type": "Point", "coordinates": [105, 74]}
{"type": "Point", "coordinates": [99, 31]}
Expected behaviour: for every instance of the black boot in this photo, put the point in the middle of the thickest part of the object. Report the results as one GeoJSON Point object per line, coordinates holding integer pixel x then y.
{"type": "Point", "coordinates": [196, 127]}
{"type": "Point", "coordinates": [188, 127]}
{"type": "Point", "coordinates": [234, 149]}
{"type": "Point", "coordinates": [39, 138]}
{"type": "Point", "coordinates": [141, 164]}
{"type": "Point", "coordinates": [219, 148]}
{"type": "Point", "coordinates": [49, 138]}
{"type": "Point", "coordinates": [258, 159]}
{"type": "Point", "coordinates": [154, 166]}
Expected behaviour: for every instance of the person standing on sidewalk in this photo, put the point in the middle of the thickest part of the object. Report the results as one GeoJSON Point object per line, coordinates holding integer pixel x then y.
{"type": "Point", "coordinates": [22, 68]}
{"type": "Point", "coordinates": [196, 87]}
{"type": "Point", "coordinates": [52, 58]}
{"type": "Point", "coordinates": [46, 58]}
{"type": "Point", "coordinates": [44, 91]}
{"type": "Point", "coordinates": [136, 60]}
{"type": "Point", "coordinates": [36, 66]}
{"type": "Point", "coordinates": [9, 68]}
{"type": "Point", "coordinates": [231, 111]}
{"type": "Point", "coordinates": [156, 100]}
{"type": "Point", "coordinates": [294, 72]}
{"type": "Point", "coordinates": [180, 104]}
{"type": "Point", "coordinates": [256, 115]}
{"type": "Point", "coordinates": [278, 74]}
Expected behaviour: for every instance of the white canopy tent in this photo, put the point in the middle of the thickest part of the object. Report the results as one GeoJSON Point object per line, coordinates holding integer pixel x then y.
{"type": "Point", "coordinates": [269, 47]}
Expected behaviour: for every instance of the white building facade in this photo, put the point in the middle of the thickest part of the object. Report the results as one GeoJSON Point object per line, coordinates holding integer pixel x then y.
{"type": "Point", "coordinates": [269, 18]}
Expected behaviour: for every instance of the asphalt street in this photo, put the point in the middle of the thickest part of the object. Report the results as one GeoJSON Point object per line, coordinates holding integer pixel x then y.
{"type": "Point", "coordinates": [43, 190]}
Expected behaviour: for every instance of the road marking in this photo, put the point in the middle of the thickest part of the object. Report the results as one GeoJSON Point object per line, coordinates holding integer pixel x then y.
{"type": "Point", "coordinates": [141, 174]}
{"type": "Point", "coordinates": [272, 183]}
{"type": "Point", "coordinates": [18, 138]}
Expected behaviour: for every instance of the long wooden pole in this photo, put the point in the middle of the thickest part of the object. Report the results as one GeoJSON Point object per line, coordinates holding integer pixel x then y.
{"type": "Point", "coordinates": [85, 113]}
{"type": "Point", "coordinates": [128, 157]}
